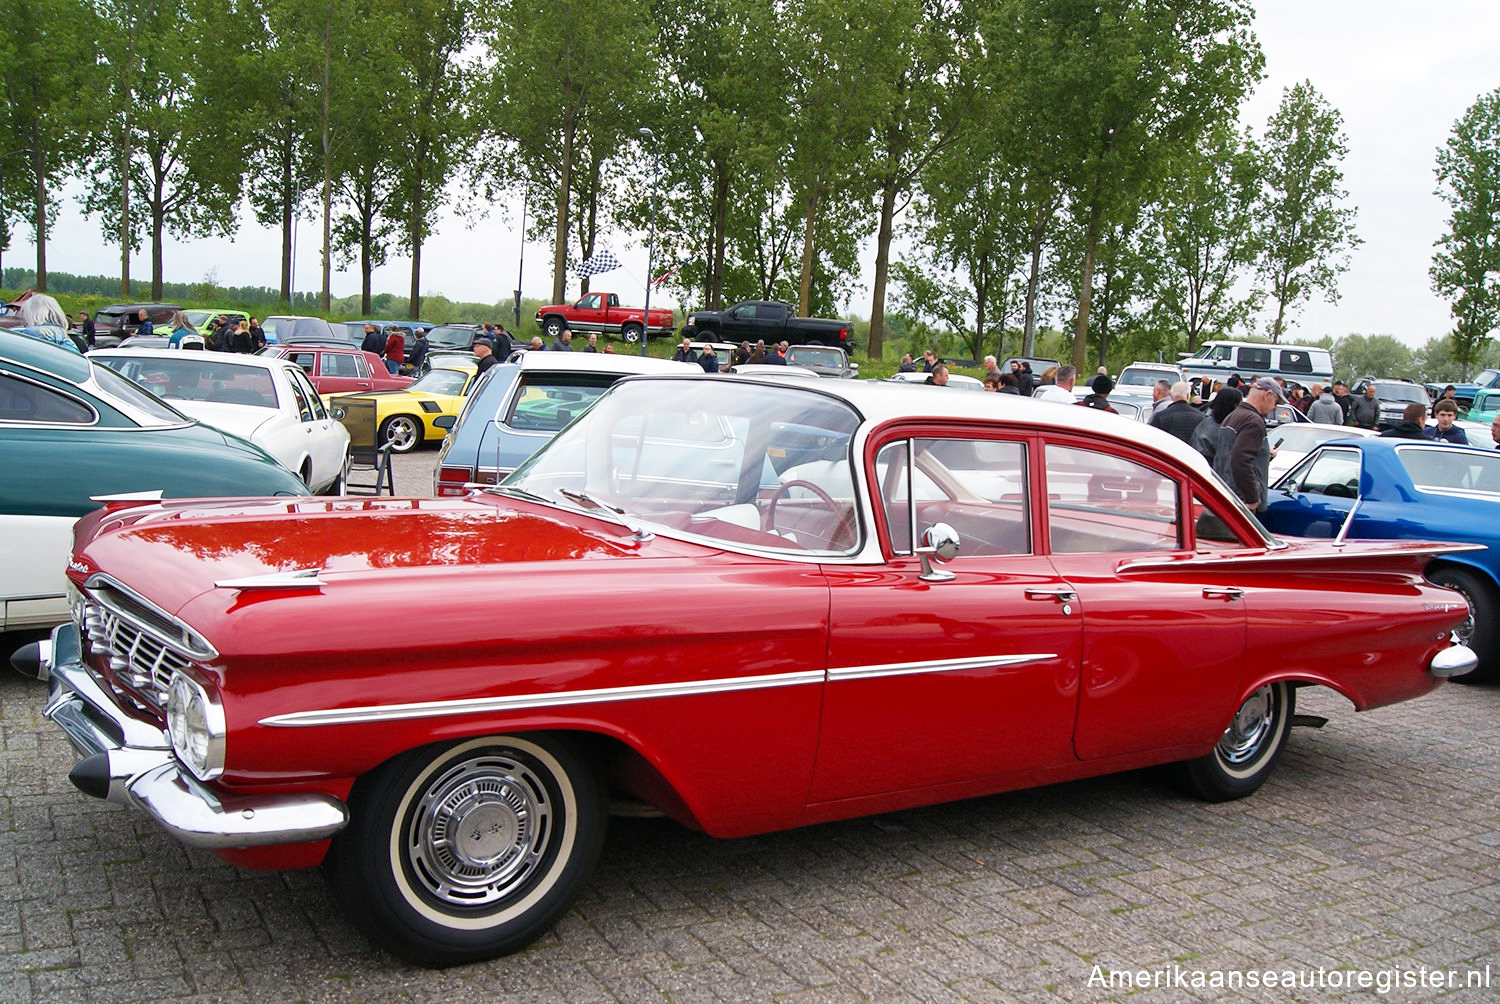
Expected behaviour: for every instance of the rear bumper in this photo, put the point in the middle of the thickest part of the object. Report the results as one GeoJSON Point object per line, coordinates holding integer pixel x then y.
{"type": "Point", "coordinates": [128, 760]}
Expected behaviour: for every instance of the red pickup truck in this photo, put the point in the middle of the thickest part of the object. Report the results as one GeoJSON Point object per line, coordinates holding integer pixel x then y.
{"type": "Point", "coordinates": [602, 312]}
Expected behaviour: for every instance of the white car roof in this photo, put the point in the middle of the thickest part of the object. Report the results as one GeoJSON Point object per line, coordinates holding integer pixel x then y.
{"type": "Point", "coordinates": [599, 362]}
{"type": "Point", "coordinates": [256, 361]}
{"type": "Point", "coordinates": [881, 401]}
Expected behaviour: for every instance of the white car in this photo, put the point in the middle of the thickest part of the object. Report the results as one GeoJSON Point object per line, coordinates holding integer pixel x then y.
{"type": "Point", "coordinates": [268, 401]}
{"type": "Point", "coordinates": [1295, 441]}
{"type": "Point", "coordinates": [958, 380]}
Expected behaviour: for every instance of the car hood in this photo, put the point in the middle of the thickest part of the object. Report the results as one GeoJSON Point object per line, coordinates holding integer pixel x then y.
{"type": "Point", "coordinates": [177, 551]}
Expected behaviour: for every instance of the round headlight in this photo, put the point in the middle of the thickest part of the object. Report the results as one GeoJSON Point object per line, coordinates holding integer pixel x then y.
{"type": "Point", "coordinates": [195, 723]}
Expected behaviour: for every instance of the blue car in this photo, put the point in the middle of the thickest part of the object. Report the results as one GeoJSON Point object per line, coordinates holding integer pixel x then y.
{"type": "Point", "coordinates": [1408, 490]}
{"type": "Point", "coordinates": [518, 406]}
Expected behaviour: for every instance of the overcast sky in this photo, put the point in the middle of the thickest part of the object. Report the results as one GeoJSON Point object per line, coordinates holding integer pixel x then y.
{"type": "Point", "coordinates": [1400, 73]}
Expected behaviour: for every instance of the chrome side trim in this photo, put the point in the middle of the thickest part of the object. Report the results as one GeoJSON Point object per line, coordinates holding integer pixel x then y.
{"type": "Point", "coordinates": [520, 702]}
{"type": "Point", "coordinates": [936, 666]}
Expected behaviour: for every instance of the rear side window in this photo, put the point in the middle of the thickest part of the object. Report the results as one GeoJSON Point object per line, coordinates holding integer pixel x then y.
{"type": "Point", "coordinates": [1296, 361]}
{"type": "Point", "coordinates": [1255, 358]}
{"type": "Point", "coordinates": [1100, 502]}
{"type": "Point", "coordinates": [341, 364]}
{"type": "Point", "coordinates": [25, 402]}
{"type": "Point", "coordinates": [547, 403]}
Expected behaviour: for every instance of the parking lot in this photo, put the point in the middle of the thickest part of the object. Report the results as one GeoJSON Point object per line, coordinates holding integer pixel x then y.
{"type": "Point", "coordinates": [1374, 849]}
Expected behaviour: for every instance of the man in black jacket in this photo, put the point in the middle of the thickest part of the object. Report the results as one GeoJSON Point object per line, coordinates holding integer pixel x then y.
{"type": "Point", "coordinates": [1179, 418]}
{"type": "Point", "coordinates": [1242, 457]}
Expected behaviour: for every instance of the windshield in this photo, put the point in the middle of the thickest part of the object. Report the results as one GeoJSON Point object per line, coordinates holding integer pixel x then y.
{"type": "Point", "coordinates": [1401, 392]}
{"type": "Point", "coordinates": [450, 338]}
{"type": "Point", "coordinates": [1142, 377]}
{"type": "Point", "coordinates": [762, 467]}
{"type": "Point", "coordinates": [197, 376]}
{"type": "Point", "coordinates": [442, 381]}
{"type": "Point", "coordinates": [814, 356]}
{"type": "Point", "coordinates": [136, 400]}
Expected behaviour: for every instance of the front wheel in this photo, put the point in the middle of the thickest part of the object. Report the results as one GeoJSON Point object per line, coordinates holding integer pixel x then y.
{"type": "Point", "coordinates": [553, 326]}
{"type": "Point", "coordinates": [401, 431]}
{"type": "Point", "coordinates": [468, 851]}
{"type": "Point", "coordinates": [1478, 629]}
{"type": "Point", "coordinates": [631, 333]}
{"type": "Point", "coordinates": [1249, 748]}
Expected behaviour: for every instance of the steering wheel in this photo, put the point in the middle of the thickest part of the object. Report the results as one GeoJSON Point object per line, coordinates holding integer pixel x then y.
{"type": "Point", "coordinates": [843, 529]}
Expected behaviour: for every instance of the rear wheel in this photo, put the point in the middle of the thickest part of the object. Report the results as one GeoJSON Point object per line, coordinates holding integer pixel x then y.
{"type": "Point", "coordinates": [468, 851]}
{"type": "Point", "coordinates": [1249, 748]}
{"type": "Point", "coordinates": [403, 432]}
{"type": "Point", "coordinates": [340, 484]}
{"type": "Point", "coordinates": [1478, 629]}
{"type": "Point", "coordinates": [631, 333]}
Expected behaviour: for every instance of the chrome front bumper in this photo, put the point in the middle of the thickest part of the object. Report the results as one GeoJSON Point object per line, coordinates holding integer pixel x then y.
{"type": "Point", "coordinates": [1455, 660]}
{"type": "Point", "coordinates": [130, 762]}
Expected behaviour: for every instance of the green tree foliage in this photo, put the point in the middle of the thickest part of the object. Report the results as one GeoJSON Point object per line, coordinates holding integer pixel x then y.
{"type": "Point", "coordinates": [566, 78]}
{"type": "Point", "coordinates": [1467, 268]}
{"type": "Point", "coordinates": [50, 87]}
{"type": "Point", "coordinates": [1306, 233]}
{"type": "Point", "coordinates": [1206, 223]}
{"type": "Point", "coordinates": [1112, 90]}
{"type": "Point", "coordinates": [176, 146]}
{"type": "Point", "coordinates": [1381, 356]}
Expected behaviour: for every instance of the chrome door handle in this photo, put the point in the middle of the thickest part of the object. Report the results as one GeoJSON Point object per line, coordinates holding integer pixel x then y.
{"type": "Point", "coordinates": [1059, 594]}
{"type": "Point", "coordinates": [1222, 592]}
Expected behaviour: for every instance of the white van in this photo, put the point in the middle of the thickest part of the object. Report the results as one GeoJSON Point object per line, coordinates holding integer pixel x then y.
{"type": "Point", "coordinates": [1300, 364]}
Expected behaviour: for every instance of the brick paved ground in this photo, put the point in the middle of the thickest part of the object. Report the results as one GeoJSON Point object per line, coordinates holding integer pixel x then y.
{"type": "Point", "coordinates": [1376, 845]}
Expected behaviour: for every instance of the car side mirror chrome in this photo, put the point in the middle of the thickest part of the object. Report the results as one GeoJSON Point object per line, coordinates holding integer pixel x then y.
{"type": "Point", "coordinates": [337, 413]}
{"type": "Point", "coordinates": [940, 542]}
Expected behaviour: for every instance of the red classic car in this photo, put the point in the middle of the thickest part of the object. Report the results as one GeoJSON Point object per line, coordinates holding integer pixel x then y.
{"type": "Point", "coordinates": [751, 604]}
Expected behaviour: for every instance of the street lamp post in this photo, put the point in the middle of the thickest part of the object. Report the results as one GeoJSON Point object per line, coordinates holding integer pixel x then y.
{"type": "Point", "coordinates": [649, 136]}
{"type": "Point", "coordinates": [2, 206]}
{"type": "Point", "coordinates": [521, 263]}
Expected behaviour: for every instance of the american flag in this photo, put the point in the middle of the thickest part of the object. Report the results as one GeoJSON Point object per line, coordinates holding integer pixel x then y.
{"type": "Point", "coordinates": [672, 271]}
{"type": "Point", "coordinates": [599, 263]}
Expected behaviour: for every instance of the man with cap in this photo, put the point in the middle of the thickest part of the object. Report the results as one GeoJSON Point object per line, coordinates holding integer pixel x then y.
{"type": "Point", "coordinates": [1101, 385]}
{"type": "Point", "coordinates": [484, 351]}
{"type": "Point", "coordinates": [1242, 457]}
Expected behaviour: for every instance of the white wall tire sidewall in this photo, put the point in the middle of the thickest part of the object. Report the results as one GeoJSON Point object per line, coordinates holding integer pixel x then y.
{"type": "Point", "coordinates": [567, 839]}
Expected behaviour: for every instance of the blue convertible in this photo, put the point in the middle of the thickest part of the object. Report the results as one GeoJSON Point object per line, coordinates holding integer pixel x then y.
{"type": "Point", "coordinates": [1412, 490]}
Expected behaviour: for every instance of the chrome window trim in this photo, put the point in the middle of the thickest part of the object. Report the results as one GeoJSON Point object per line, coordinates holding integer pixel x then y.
{"type": "Point", "coordinates": [687, 688]}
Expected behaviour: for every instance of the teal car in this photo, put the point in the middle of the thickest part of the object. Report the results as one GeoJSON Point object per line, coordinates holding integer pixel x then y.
{"type": "Point", "coordinates": [1485, 407]}
{"type": "Point", "coordinates": [72, 433]}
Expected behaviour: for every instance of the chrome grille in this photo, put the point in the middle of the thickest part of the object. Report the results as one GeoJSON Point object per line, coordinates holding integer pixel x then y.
{"type": "Point", "coordinates": [138, 658]}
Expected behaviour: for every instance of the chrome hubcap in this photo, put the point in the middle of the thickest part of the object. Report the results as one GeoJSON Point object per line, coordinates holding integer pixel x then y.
{"type": "Point", "coordinates": [480, 831]}
{"type": "Point", "coordinates": [1250, 727]}
{"type": "Point", "coordinates": [401, 435]}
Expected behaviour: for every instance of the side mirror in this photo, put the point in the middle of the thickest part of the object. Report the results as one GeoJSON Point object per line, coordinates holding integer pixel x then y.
{"type": "Point", "coordinates": [445, 421]}
{"type": "Point", "coordinates": [337, 413]}
{"type": "Point", "coordinates": [939, 542]}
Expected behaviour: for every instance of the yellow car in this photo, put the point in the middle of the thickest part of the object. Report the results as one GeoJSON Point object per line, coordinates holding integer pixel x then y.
{"type": "Point", "coordinates": [404, 417]}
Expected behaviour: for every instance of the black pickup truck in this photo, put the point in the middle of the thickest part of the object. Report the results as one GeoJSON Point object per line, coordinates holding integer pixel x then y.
{"type": "Point", "coordinates": [770, 321]}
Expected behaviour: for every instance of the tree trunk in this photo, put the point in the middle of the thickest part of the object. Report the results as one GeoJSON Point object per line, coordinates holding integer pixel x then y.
{"type": "Point", "coordinates": [158, 213]}
{"type": "Point", "coordinates": [287, 207]}
{"type": "Point", "coordinates": [414, 298]}
{"type": "Point", "coordinates": [714, 298]}
{"type": "Point", "coordinates": [1280, 319]}
{"type": "Point", "coordinates": [1033, 284]}
{"type": "Point", "coordinates": [810, 215]}
{"type": "Point", "coordinates": [876, 347]}
{"type": "Point", "coordinates": [560, 230]}
{"type": "Point", "coordinates": [39, 162]}
{"type": "Point", "coordinates": [366, 265]}
{"type": "Point", "coordinates": [125, 206]}
{"type": "Point", "coordinates": [1086, 288]}
{"type": "Point", "coordinates": [326, 299]}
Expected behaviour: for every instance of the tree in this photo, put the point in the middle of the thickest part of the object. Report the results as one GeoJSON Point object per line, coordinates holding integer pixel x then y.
{"type": "Point", "coordinates": [1206, 222]}
{"type": "Point", "coordinates": [927, 110]}
{"type": "Point", "coordinates": [564, 66]}
{"type": "Point", "coordinates": [1306, 233]}
{"type": "Point", "coordinates": [51, 93]}
{"type": "Point", "coordinates": [1111, 90]}
{"type": "Point", "coordinates": [1377, 356]}
{"type": "Point", "coordinates": [178, 143]}
{"type": "Point", "coordinates": [1467, 269]}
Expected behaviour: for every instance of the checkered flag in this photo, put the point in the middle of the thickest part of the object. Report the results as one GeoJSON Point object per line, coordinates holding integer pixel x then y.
{"type": "Point", "coordinates": [598, 264]}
